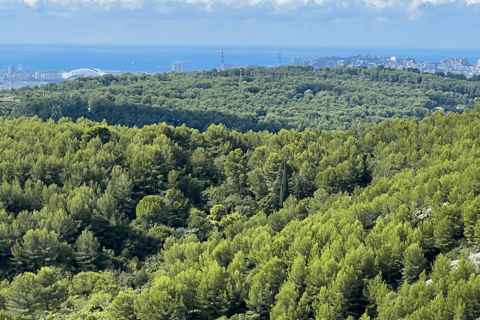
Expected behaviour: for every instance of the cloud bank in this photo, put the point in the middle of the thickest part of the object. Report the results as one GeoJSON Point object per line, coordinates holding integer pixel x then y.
{"type": "Point", "coordinates": [273, 6]}
{"type": "Point", "coordinates": [245, 9]}
{"type": "Point", "coordinates": [380, 23]}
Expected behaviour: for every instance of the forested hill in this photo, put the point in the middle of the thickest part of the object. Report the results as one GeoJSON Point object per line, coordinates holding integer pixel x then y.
{"type": "Point", "coordinates": [253, 99]}
{"type": "Point", "coordinates": [162, 222]}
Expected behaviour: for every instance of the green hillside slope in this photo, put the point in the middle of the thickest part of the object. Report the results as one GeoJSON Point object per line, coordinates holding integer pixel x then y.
{"type": "Point", "coordinates": [254, 99]}
{"type": "Point", "coordinates": [162, 222]}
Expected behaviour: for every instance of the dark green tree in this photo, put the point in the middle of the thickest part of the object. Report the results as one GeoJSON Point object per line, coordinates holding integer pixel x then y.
{"type": "Point", "coordinates": [40, 248]}
{"type": "Point", "coordinates": [87, 251]}
{"type": "Point", "coordinates": [413, 263]}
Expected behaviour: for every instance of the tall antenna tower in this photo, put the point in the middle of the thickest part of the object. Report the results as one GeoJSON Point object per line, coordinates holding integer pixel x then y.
{"type": "Point", "coordinates": [222, 66]}
{"type": "Point", "coordinates": [279, 59]}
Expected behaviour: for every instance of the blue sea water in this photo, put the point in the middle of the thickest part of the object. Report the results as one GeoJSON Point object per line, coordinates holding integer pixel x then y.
{"type": "Point", "coordinates": [160, 58]}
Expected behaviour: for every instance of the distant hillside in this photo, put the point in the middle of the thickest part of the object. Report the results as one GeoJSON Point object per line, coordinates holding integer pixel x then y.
{"type": "Point", "coordinates": [253, 98]}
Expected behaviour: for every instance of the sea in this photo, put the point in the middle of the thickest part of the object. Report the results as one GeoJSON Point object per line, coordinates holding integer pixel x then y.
{"type": "Point", "coordinates": [159, 58]}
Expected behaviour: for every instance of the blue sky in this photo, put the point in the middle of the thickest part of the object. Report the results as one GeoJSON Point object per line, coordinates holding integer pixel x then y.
{"type": "Point", "coordinates": [349, 23]}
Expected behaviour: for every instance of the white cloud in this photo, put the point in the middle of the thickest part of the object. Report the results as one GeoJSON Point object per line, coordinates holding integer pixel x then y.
{"type": "Point", "coordinates": [410, 8]}
{"type": "Point", "coordinates": [128, 4]}
{"type": "Point", "coordinates": [415, 12]}
{"type": "Point", "coordinates": [380, 4]}
{"type": "Point", "coordinates": [31, 2]}
{"type": "Point", "coordinates": [416, 3]}
{"type": "Point", "coordinates": [381, 19]}
{"type": "Point", "coordinates": [134, 4]}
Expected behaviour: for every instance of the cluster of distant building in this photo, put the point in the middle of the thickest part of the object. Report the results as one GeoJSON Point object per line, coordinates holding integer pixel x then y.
{"type": "Point", "coordinates": [16, 77]}
{"type": "Point", "coordinates": [453, 65]}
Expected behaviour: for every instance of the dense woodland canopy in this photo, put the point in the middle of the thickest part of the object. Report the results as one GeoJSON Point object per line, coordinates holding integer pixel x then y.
{"type": "Point", "coordinates": [163, 222]}
{"type": "Point", "coordinates": [254, 98]}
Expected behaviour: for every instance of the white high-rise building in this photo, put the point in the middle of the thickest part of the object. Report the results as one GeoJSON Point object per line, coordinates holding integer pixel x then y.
{"type": "Point", "coordinates": [177, 66]}
{"type": "Point", "coordinates": [11, 69]}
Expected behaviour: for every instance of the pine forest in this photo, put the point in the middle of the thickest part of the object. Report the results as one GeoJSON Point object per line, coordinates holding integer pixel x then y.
{"type": "Point", "coordinates": [246, 194]}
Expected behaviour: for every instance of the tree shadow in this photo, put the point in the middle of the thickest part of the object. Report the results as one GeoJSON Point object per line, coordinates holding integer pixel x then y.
{"type": "Point", "coordinates": [200, 120]}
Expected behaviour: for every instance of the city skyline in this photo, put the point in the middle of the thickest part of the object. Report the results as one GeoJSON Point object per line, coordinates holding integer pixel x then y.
{"type": "Point", "coordinates": [11, 78]}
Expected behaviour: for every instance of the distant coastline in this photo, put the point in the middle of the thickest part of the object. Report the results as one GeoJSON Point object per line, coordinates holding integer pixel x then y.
{"type": "Point", "coordinates": [448, 66]}
{"type": "Point", "coordinates": [159, 58]}
{"type": "Point", "coordinates": [445, 66]}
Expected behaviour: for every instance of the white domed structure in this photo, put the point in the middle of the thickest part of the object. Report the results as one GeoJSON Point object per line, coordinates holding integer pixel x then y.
{"type": "Point", "coordinates": [87, 72]}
